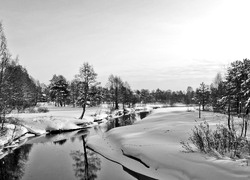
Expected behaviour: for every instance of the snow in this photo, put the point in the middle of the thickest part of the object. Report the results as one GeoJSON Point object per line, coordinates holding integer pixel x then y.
{"type": "Point", "coordinates": [155, 142]}
{"type": "Point", "coordinates": [63, 118]}
{"type": "Point", "coordinates": [150, 146]}
{"type": "Point", "coordinates": [12, 132]}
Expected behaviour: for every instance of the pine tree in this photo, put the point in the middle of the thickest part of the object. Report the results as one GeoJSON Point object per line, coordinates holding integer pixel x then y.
{"type": "Point", "coordinates": [86, 79]}
{"type": "Point", "coordinates": [59, 90]}
{"type": "Point", "coordinates": [202, 95]}
{"type": "Point", "coordinates": [4, 88]}
{"type": "Point", "coordinates": [114, 85]}
{"type": "Point", "coordinates": [189, 95]}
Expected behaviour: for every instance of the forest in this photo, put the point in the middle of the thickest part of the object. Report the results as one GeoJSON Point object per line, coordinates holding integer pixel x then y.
{"type": "Point", "coordinates": [18, 90]}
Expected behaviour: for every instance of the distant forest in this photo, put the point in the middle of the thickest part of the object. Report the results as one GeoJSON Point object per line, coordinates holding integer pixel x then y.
{"type": "Point", "coordinates": [18, 90]}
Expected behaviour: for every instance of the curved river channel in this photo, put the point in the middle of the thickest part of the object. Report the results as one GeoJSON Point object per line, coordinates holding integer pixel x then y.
{"type": "Point", "coordinates": [62, 157]}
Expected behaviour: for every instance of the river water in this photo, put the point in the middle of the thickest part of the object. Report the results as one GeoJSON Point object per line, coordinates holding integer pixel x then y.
{"type": "Point", "coordinates": [62, 157]}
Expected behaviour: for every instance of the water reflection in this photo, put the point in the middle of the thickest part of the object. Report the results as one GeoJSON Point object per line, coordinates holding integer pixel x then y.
{"type": "Point", "coordinates": [57, 138]}
{"type": "Point", "coordinates": [126, 120]}
{"type": "Point", "coordinates": [144, 114]}
{"type": "Point", "coordinates": [86, 164]}
{"type": "Point", "coordinates": [13, 165]}
{"type": "Point", "coordinates": [43, 157]}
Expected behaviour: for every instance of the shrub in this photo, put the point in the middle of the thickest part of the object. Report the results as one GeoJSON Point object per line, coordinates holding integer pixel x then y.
{"type": "Point", "coordinates": [13, 120]}
{"type": "Point", "coordinates": [30, 110]}
{"type": "Point", "coordinates": [220, 141]}
{"type": "Point", "coordinates": [37, 110]}
{"type": "Point", "coordinates": [42, 109]}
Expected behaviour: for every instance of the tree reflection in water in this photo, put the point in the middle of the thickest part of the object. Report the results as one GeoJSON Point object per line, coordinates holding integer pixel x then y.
{"type": "Point", "coordinates": [12, 166]}
{"type": "Point", "coordinates": [86, 164]}
{"type": "Point", "coordinates": [124, 120]}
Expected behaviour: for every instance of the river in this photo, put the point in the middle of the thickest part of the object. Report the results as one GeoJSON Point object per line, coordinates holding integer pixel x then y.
{"type": "Point", "coordinates": [62, 157]}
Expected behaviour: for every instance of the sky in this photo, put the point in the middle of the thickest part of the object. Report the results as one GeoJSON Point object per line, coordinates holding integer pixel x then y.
{"type": "Point", "coordinates": [166, 44]}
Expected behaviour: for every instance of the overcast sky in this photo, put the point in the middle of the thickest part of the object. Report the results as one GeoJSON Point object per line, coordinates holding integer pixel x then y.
{"type": "Point", "coordinates": [166, 44]}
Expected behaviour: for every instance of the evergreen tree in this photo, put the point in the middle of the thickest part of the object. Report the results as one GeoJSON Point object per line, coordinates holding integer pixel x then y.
{"type": "Point", "coordinates": [86, 79]}
{"type": "Point", "coordinates": [127, 94]}
{"type": "Point", "coordinates": [202, 95]}
{"type": "Point", "coordinates": [189, 96]}
{"type": "Point", "coordinates": [145, 96]}
{"type": "Point", "coordinates": [114, 85]}
{"type": "Point", "coordinates": [218, 90]}
{"type": "Point", "coordinates": [17, 88]}
{"type": "Point", "coordinates": [59, 90]}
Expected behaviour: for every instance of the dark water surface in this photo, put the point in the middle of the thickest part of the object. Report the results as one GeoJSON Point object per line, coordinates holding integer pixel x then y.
{"type": "Point", "coordinates": [126, 120]}
{"type": "Point", "coordinates": [62, 157]}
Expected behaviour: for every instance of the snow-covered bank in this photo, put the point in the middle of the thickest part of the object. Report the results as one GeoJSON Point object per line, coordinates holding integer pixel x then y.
{"type": "Point", "coordinates": [10, 133]}
{"type": "Point", "coordinates": [155, 141]}
{"type": "Point", "coordinates": [57, 119]}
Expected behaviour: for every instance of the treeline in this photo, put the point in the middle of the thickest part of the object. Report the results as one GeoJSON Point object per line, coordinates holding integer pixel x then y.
{"type": "Point", "coordinates": [84, 90]}
{"type": "Point", "coordinates": [229, 94]}
{"type": "Point", "coordinates": [18, 90]}
{"type": "Point", "coordinates": [116, 92]}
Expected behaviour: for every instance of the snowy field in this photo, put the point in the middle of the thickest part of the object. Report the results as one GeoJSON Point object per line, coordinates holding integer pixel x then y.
{"type": "Point", "coordinates": [152, 147]}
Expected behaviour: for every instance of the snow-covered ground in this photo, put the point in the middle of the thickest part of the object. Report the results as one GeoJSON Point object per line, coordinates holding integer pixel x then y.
{"type": "Point", "coordinates": [63, 118]}
{"type": "Point", "coordinates": [58, 118]}
{"type": "Point", "coordinates": [152, 147]}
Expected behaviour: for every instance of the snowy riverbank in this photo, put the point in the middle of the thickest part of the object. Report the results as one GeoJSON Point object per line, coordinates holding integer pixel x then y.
{"type": "Point", "coordinates": [152, 147]}
{"type": "Point", "coordinates": [58, 119]}
{"type": "Point", "coordinates": [31, 124]}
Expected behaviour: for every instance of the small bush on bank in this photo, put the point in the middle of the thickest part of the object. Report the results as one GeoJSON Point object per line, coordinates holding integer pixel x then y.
{"type": "Point", "coordinates": [36, 110]}
{"type": "Point", "coordinates": [13, 120]}
{"type": "Point", "coordinates": [30, 110]}
{"type": "Point", "coordinates": [220, 141]}
{"type": "Point", "coordinates": [42, 109]}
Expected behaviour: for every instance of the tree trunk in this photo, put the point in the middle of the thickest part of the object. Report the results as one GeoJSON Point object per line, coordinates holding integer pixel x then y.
{"type": "Point", "coordinates": [199, 110]}
{"type": "Point", "coordinates": [229, 109]}
{"type": "Point", "coordinates": [116, 105]}
{"type": "Point", "coordinates": [60, 102]}
{"type": "Point", "coordinates": [3, 118]}
{"type": "Point", "coordinates": [1, 121]}
{"type": "Point", "coordinates": [73, 101]}
{"type": "Point", "coordinates": [246, 124]}
{"type": "Point", "coordinates": [83, 110]}
{"type": "Point", "coordinates": [116, 98]}
{"type": "Point", "coordinates": [243, 126]}
{"type": "Point", "coordinates": [203, 104]}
